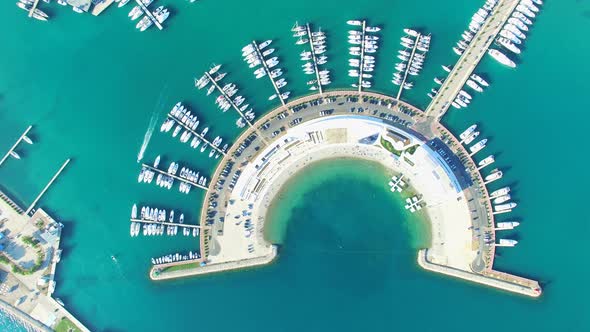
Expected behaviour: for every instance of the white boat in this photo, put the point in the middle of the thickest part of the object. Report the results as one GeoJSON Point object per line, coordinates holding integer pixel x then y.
{"type": "Point", "coordinates": [354, 22]}
{"type": "Point", "coordinates": [14, 154]}
{"type": "Point", "coordinates": [525, 10]}
{"type": "Point", "coordinates": [471, 138]}
{"type": "Point", "coordinates": [504, 207]}
{"type": "Point", "coordinates": [486, 161]}
{"type": "Point", "coordinates": [509, 35]}
{"type": "Point", "coordinates": [515, 31]}
{"type": "Point", "coordinates": [479, 80]}
{"type": "Point", "coordinates": [500, 192]}
{"type": "Point", "coordinates": [214, 69]}
{"type": "Point", "coordinates": [507, 225]}
{"type": "Point", "coordinates": [135, 13]}
{"type": "Point", "coordinates": [495, 175]}
{"type": "Point", "coordinates": [134, 212]}
{"type": "Point", "coordinates": [411, 32]}
{"type": "Point", "coordinates": [506, 43]}
{"type": "Point", "coordinates": [522, 18]}
{"type": "Point", "coordinates": [529, 4]}
{"type": "Point", "coordinates": [121, 3]}
{"type": "Point", "coordinates": [518, 23]}
{"type": "Point", "coordinates": [467, 132]}
{"type": "Point", "coordinates": [157, 161]}
{"type": "Point", "coordinates": [501, 199]}
{"type": "Point", "coordinates": [506, 243]}
{"type": "Point", "coordinates": [501, 57]}
{"type": "Point", "coordinates": [474, 85]}
{"type": "Point", "coordinates": [162, 15]}
{"type": "Point", "coordinates": [446, 68]}
{"type": "Point", "coordinates": [264, 44]}
{"type": "Point", "coordinates": [478, 146]}
{"type": "Point", "coordinates": [465, 95]}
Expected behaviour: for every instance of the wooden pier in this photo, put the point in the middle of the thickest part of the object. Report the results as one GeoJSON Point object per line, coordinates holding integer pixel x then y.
{"type": "Point", "coordinates": [362, 62]}
{"type": "Point", "coordinates": [144, 221]}
{"type": "Point", "coordinates": [272, 80]}
{"type": "Point", "coordinates": [15, 144]}
{"type": "Point", "coordinates": [315, 60]}
{"type": "Point", "coordinates": [202, 137]}
{"type": "Point", "coordinates": [157, 170]}
{"type": "Point", "coordinates": [401, 86]}
{"type": "Point", "coordinates": [149, 14]}
{"type": "Point", "coordinates": [47, 186]}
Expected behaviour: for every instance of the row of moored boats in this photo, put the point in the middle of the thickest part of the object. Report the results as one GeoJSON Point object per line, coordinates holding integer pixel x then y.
{"type": "Point", "coordinates": [364, 44]}
{"type": "Point", "coordinates": [475, 82]}
{"type": "Point", "coordinates": [166, 179]}
{"type": "Point", "coordinates": [258, 57]}
{"type": "Point", "coordinates": [159, 15]}
{"type": "Point", "coordinates": [177, 257]}
{"type": "Point", "coordinates": [411, 57]}
{"type": "Point", "coordinates": [499, 198]}
{"type": "Point", "coordinates": [477, 21]}
{"type": "Point", "coordinates": [226, 99]}
{"type": "Point", "coordinates": [151, 222]}
{"type": "Point", "coordinates": [188, 123]}
{"type": "Point", "coordinates": [514, 32]}
{"type": "Point", "coordinates": [315, 56]}
{"type": "Point", "coordinates": [27, 5]}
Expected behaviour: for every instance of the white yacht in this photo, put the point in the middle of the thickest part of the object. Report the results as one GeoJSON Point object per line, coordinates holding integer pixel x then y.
{"type": "Point", "coordinates": [478, 146]}
{"type": "Point", "coordinates": [495, 175]}
{"type": "Point", "coordinates": [468, 132]}
{"type": "Point", "coordinates": [474, 85]}
{"type": "Point", "coordinates": [506, 43]}
{"type": "Point", "coordinates": [479, 80]}
{"type": "Point", "coordinates": [506, 243]}
{"type": "Point", "coordinates": [500, 192]}
{"type": "Point", "coordinates": [501, 57]}
{"type": "Point", "coordinates": [501, 199]}
{"type": "Point", "coordinates": [507, 225]}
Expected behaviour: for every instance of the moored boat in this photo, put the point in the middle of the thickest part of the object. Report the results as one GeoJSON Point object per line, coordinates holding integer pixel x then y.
{"type": "Point", "coordinates": [501, 57]}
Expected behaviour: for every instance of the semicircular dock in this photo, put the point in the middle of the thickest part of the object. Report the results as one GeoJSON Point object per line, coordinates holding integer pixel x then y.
{"type": "Point", "coordinates": [347, 124]}
{"type": "Point", "coordinates": [411, 143]}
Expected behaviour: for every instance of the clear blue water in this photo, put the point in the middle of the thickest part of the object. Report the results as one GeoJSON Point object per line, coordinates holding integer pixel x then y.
{"type": "Point", "coordinates": [91, 85]}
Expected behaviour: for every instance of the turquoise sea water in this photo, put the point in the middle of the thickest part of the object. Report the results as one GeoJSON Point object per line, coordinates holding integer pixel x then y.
{"type": "Point", "coordinates": [91, 85]}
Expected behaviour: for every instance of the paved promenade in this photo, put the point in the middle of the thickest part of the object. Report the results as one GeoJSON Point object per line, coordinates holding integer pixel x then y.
{"type": "Point", "coordinates": [499, 280]}
{"type": "Point", "coordinates": [470, 59]}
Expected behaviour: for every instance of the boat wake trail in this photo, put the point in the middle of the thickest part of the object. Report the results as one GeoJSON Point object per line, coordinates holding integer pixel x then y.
{"type": "Point", "coordinates": [152, 124]}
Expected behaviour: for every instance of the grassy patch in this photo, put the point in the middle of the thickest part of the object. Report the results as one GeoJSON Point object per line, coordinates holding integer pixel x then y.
{"type": "Point", "coordinates": [30, 241]}
{"type": "Point", "coordinates": [412, 149]}
{"type": "Point", "coordinates": [180, 267]}
{"type": "Point", "coordinates": [389, 147]}
{"type": "Point", "coordinates": [66, 325]}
